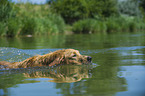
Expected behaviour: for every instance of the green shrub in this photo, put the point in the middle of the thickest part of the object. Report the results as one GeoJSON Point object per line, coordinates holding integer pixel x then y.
{"type": "Point", "coordinates": [6, 10]}
{"type": "Point", "coordinates": [3, 29]}
{"type": "Point", "coordinates": [45, 26]}
{"type": "Point", "coordinates": [70, 10]}
{"type": "Point", "coordinates": [129, 8]}
{"type": "Point", "coordinates": [58, 21]}
{"type": "Point", "coordinates": [124, 24]}
{"type": "Point", "coordinates": [74, 10]}
{"type": "Point", "coordinates": [112, 26]}
{"type": "Point", "coordinates": [83, 26]}
{"type": "Point", "coordinates": [115, 24]}
{"type": "Point", "coordinates": [132, 26]}
{"type": "Point", "coordinates": [14, 26]}
{"type": "Point", "coordinates": [52, 24]}
{"type": "Point", "coordinates": [29, 26]}
{"type": "Point", "coordinates": [141, 26]}
{"type": "Point", "coordinates": [89, 26]}
{"type": "Point", "coordinates": [109, 25]}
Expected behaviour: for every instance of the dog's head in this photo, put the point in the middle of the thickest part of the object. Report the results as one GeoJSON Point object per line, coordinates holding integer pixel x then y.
{"type": "Point", "coordinates": [74, 57]}
{"type": "Point", "coordinates": [69, 56]}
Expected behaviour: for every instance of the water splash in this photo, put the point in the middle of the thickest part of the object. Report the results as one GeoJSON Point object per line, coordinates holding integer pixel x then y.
{"type": "Point", "coordinates": [17, 55]}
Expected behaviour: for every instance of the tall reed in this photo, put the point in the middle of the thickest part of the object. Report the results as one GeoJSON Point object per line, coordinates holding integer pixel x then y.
{"type": "Point", "coordinates": [24, 19]}
{"type": "Point", "coordinates": [48, 25]}
{"type": "Point", "coordinates": [14, 26]}
{"type": "Point", "coordinates": [3, 29]}
{"type": "Point", "coordinates": [109, 25]}
{"type": "Point", "coordinates": [35, 26]}
{"type": "Point", "coordinates": [89, 26]}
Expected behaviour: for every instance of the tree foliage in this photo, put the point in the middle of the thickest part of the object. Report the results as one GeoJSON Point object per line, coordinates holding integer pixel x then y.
{"type": "Point", "coordinates": [105, 8]}
{"type": "Point", "coordinates": [142, 7]}
{"type": "Point", "coordinates": [70, 10]}
{"type": "Point", "coordinates": [74, 10]}
{"type": "Point", "coordinates": [129, 8]}
{"type": "Point", "coordinates": [6, 10]}
{"type": "Point", "coordinates": [142, 4]}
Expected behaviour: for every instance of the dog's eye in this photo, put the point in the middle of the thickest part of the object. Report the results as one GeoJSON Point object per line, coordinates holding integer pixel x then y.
{"type": "Point", "coordinates": [74, 55]}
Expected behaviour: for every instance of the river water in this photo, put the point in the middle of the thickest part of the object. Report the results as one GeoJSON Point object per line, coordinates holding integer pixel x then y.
{"type": "Point", "coordinates": [117, 69]}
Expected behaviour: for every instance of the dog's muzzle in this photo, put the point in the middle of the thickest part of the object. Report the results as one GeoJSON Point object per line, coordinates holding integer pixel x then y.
{"type": "Point", "coordinates": [89, 58]}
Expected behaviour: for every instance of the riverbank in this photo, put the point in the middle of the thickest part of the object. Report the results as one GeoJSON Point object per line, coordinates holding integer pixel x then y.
{"type": "Point", "coordinates": [31, 19]}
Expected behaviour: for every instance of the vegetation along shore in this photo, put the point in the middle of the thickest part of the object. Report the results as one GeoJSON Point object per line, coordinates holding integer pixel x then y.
{"type": "Point", "coordinates": [76, 16]}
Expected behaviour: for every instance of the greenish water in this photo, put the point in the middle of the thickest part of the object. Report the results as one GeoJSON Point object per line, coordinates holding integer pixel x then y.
{"type": "Point", "coordinates": [118, 67]}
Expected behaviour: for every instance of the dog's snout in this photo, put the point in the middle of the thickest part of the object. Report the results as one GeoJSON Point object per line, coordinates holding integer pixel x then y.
{"type": "Point", "coordinates": [89, 58]}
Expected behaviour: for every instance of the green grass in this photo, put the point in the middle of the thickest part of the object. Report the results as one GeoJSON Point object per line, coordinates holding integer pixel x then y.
{"type": "Point", "coordinates": [89, 26]}
{"type": "Point", "coordinates": [3, 29]}
{"type": "Point", "coordinates": [109, 25]}
{"type": "Point", "coordinates": [14, 27]}
{"type": "Point", "coordinates": [33, 26]}
{"type": "Point", "coordinates": [37, 26]}
{"type": "Point", "coordinates": [31, 19]}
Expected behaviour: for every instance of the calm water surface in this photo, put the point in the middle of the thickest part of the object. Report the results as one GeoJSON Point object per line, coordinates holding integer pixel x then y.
{"type": "Point", "coordinates": [118, 67]}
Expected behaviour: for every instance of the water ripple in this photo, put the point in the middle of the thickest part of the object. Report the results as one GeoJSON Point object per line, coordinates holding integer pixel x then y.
{"type": "Point", "coordinates": [123, 50]}
{"type": "Point", "coordinates": [16, 55]}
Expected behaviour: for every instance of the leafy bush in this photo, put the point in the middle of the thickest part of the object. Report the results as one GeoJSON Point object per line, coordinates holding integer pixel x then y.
{"type": "Point", "coordinates": [112, 26]}
{"type": "Point", "coordinates": [142, 4]}
{"type": "Point", "coordinates": [14, 26]}
{"type": "Point", "coordinates": [6, 10]}
{"type": "Point", "coordinates": [29, 26]}
{"type": "Point", "coordinates": [45, 26]}
{"type": "Point", "coordinates": [53, 24]}
{"type": "Point", "coordinates": [74, 10]}
{"type": "Point", "coordinates": [3, 29]}
{"type": "Point", "coordinates": [70, 10]}
{"type": "Point", "coordinates": [58, 21]}
{"type": "Point", "coordinates": [109, 25]}
{"type": "Point", "coordinates": [129, 7]}
{"type": "Point", "coordinates": [89, 26]}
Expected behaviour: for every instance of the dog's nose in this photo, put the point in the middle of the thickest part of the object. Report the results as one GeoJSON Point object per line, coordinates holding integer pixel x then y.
{"type": "Point", "coordinates": [89, 58]}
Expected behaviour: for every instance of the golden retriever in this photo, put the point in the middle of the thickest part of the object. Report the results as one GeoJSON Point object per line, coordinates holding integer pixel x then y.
{"type": "Point", "coordinates": [65, 56]}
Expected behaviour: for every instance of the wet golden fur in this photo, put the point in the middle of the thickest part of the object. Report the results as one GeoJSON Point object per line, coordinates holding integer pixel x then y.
{"type": "Point", "coordinates": [65, 56]}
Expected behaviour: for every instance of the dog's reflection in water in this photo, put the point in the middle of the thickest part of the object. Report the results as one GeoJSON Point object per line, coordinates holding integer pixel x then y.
{"type": "Point", "coordinates": [62, 74]}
